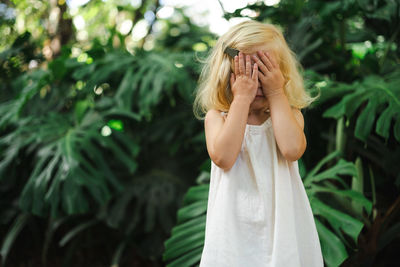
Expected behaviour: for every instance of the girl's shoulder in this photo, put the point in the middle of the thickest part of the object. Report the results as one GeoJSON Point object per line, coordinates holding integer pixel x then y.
{"type": "Point", "coordinates": [214, 115]}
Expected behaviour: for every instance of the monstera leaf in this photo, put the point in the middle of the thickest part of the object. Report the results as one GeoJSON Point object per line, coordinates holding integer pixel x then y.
{"type": "Point", "coordinates": [71, 162]}
{"type": "Point", "coordinates": [69, 122]}
{"type": "Point", "coordinates": [68, 152]}
{"type": "Point", "coordinates": [185, 245]}
{"type": "Point", "coordinates": [335, 215]}
{"type": "Point", "coordinates": [378, 97]}
{"type": "Point", "coordinates": [148, 78]}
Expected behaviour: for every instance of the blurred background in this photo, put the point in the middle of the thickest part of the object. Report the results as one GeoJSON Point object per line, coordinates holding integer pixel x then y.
{"type": "Point", "coordinates": [102, 162]}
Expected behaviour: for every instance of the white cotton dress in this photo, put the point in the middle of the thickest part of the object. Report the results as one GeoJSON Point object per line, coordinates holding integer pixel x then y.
{"type": "Point", "coordinates": [258, 212]}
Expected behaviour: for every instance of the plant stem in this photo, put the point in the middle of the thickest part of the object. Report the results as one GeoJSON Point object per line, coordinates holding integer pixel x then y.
{"type": "Point", "coordinates": [340, 135]}
{"type": "Point", "coordinates": [371, 174]}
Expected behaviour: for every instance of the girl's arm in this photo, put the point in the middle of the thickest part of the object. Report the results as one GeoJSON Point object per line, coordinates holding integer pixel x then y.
{"type": "Point", "coordinates": [224, 138]}
{"type": "Point", "coordinates": [287, 124]}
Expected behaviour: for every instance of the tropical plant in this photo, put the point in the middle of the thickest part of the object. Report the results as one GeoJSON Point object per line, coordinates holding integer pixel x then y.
{"type": "Point", "coordinates": [90, 145]}
{"type": "Point", "coordinates": [338, 209]}
{"type": "Point", "coordinates": [185, 245]}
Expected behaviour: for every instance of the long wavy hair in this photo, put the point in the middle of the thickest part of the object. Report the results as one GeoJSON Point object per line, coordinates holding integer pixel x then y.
{"type": "Point", "coordinates": [214, 90]}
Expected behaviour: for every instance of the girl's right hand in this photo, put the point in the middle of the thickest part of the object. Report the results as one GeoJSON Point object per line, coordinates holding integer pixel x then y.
{"type": "Point", "coordinates": [244, 82]}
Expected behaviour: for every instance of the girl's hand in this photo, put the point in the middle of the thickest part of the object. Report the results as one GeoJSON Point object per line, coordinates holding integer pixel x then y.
{"type": "Point", "coordinates": [270, 75]}
{"type": "Point", "coordinates": [244, 82]}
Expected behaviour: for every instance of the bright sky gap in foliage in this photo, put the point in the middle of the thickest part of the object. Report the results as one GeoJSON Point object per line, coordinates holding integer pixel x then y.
{"type": "Point", "coordinates": [204, 12]}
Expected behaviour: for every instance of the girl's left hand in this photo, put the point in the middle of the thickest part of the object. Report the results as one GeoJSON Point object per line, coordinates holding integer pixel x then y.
{"type": "Point", "coordinates": [270, 75]}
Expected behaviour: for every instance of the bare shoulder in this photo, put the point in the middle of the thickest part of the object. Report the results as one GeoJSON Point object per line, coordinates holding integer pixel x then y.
{"type": "Point", "coordinates": [299, 117]}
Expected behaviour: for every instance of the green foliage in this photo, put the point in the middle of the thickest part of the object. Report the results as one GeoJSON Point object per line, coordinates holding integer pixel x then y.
{"type": "Point", "coordinates": [13, 60]}
{"type": "Point", "coordinates": [185, 245]}
{"type": "Point", "coordinates": [17, 226]}
{"type": "Point", "coordinates": [69, 154]}
{"type": "Point", "coordinates": [79, 164]}
{"type": "Point", "coordinates": [149, 79]}
{"type": "Point", "coordinates": [336, 215]}
{"type": "Point", "coordinates": [382, 95]}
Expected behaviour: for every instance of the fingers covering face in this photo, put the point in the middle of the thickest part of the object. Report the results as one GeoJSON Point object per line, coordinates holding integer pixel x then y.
{"type": "Point", "coordinates": [232, 80]}
{"type": "Point", "coordinates": [260, 64]}
{"type": "Point", "coordinates": [265, 61]}
{"type": "Point", "coordinates": [236, 65]}
{"type": "Point", "coordinates": [248, 66]}
{"type": "Point", "coordinates": [255, 72]}
{"type": "Point", "coordinates": [272, 59]}
{"type": "Point", "coordinates": [243, 65]}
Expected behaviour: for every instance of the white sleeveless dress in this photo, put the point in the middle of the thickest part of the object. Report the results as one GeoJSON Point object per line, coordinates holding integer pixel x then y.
{"type": "Point", "coordinates": [258, 212]}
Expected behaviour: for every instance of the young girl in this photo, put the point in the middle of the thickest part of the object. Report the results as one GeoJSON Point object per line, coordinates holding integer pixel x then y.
{"type": "Point", "coordinates": [258, 211]}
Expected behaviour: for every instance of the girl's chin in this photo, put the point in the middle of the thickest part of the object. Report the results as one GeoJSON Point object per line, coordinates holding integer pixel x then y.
{"type": "Point", "coordinates": [259, 99]}
{"type": "Point", "coordinates": [259, 102]}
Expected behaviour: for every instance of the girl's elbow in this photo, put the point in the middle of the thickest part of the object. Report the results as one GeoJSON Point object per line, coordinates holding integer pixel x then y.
{"type": "Point", "coordinates": [223, 163]}
{"type": "Point", "coordinates": [294, 154]}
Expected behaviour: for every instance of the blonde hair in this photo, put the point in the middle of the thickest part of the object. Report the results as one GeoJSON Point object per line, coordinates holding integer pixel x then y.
{"type": "Point", "coordinates": [214, 91]}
